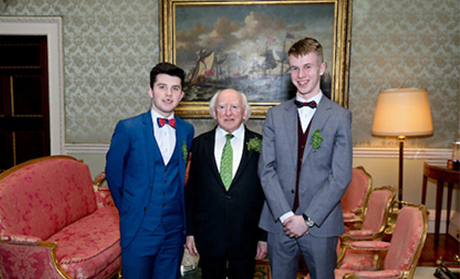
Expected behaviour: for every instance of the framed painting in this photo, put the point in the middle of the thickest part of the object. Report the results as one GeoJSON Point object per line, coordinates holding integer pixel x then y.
{"type": "Point", "coordinates": [243, 45]}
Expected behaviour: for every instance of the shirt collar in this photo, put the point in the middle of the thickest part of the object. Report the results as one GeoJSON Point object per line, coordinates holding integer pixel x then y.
{"type": "Point", "coordinates": [238, 133]}
{"type": "Point", "coordinates": [317, 98]}
{"type": "Point", "coordinates": [156, 115]}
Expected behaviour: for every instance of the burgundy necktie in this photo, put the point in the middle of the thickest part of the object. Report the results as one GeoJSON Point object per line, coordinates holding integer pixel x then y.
{"type": "Point", "coordinates": [164, 121]}
{"type": "Point", "coordinates": [311, 104]}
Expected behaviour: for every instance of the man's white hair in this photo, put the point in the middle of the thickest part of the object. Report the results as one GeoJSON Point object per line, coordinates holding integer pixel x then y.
{"type": "Point", "coordinates": [246, 106]}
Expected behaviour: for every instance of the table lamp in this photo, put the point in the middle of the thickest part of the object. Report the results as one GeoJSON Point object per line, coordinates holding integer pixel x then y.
{"type": "Point", "coordinates": [402, 112]}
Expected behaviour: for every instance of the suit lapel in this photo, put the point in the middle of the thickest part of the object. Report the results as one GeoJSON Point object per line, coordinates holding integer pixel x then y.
{"type": "Point", "coordinates": [180, 141]}
{"type": "Point", "coordinates": [209, 155]}
{"type": "Point", "coordinates": [318, 122]}
{"type": "Point", "coordinates": [290, 124]}
{"type": "Point", "coordinates": [246, 156]}
{"type": "Point", "coordinates": [150, 142]}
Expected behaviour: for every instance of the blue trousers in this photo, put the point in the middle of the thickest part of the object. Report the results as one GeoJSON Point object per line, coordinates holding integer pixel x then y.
{"type": "Point", "coordinates": [154, 255]}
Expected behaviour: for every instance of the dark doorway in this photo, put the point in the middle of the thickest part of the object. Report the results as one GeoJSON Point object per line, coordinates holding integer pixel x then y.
{"type": "Point", "coordinates": [24, 109]}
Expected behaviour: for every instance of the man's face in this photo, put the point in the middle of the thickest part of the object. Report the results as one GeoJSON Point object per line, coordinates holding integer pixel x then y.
{"type": "Point", "coordinates": [166, 94]}
{"type": "Point", "coordinates": [306, 72]}
{"type": "Point", "coordinates": [229, 110]}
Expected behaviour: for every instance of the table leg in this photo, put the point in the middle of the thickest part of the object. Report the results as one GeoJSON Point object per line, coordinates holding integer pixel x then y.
{"type": "Point", "coordinates": [449, 204]}
{"type": "Point", "coordinates": [437, 220]}
{"type": "Point", "coordinates": [425, 179]}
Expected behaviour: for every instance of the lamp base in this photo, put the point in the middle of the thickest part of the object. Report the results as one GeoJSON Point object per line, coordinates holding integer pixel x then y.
{"type": "Point", "coordinates": [453, 164]}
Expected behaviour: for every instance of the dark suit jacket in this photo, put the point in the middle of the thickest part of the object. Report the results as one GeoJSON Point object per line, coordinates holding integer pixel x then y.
{"type": "Point", "coordinates": [130, 168]}
{"type": "Point", "coordinates": [218, 219]}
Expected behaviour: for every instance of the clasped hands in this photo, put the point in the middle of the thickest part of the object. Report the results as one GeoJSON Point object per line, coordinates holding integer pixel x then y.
{"type": "Point", "coordinates": [295, 226]}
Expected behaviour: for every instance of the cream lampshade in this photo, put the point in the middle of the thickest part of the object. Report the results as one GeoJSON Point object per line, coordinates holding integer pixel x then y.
{"type": "Point", "coordinates": [402, 112]}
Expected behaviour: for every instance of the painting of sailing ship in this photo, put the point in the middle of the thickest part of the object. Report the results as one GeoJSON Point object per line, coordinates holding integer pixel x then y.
{"type": "Point", "coordinates": [245, 47]}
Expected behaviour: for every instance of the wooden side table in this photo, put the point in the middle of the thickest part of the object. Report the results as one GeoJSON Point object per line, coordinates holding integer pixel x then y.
{"type": "Point", "coordinates": [442, 175]}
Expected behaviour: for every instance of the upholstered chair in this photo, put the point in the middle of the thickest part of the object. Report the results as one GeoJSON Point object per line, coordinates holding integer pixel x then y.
{"type": "Point", "coordinates": [355, 198]}
{"type": "Point", "coordinates": [375, 221]}
{"type": "Point", "coordinates": [403, 251]}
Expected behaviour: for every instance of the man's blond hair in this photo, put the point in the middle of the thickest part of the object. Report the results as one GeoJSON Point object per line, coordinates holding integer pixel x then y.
{"type": "Point", "coordinates": [306, 46]}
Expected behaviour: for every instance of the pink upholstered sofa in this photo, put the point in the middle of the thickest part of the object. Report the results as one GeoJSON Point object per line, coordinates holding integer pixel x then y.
{"type": "Point", "coordinates": [55, 224]}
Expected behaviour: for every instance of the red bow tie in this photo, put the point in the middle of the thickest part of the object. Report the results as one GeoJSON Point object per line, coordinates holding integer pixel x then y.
{"type": "Point", "coordinates": [164, 121]}
{"type": "Point", "coordinates": [311, 104]}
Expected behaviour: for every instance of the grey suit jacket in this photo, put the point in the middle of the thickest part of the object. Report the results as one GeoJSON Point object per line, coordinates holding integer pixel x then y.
{"type": "Point", "coordinates": [325, 173]}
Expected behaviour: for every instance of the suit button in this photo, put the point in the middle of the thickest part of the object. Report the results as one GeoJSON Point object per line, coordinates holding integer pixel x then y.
{"type": "Point", "coordinates": [301, 159]}
{"type": "Point", "coordinates": [164, 205]}
{"type": "Point", "coordinates": [164, 194]}
{"type": "Point", "coordinates": [166, 181]}
{"type": "Point", "coordinates": [166, 170]}
{"type": "Point", "coordinates": [144, 208]}
{"type": "Point", "coordinates": [151, 185]}
{"type": "Point", "coordinates": [292, 191]}
{"type": "Point", "coordinates": [162, 218]}
{"type": "Point", "coordinates": [228, 197]}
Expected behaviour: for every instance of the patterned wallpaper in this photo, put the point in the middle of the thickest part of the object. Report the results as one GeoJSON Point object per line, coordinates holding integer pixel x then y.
{"type": "Point", "coordinates": [410, 43]}
{"type": "Point", "coordinates": [110, 46]}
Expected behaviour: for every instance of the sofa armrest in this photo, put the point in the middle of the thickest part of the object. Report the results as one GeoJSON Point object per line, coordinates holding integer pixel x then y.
{"type": "Point", "coordinates": [103, 196]}
{"type": "Point", "coordinates": [31, 260]}
{"type": "Point", "coordinates": [20, 239]}
{"type": "Point", "coordinates": [383, 274]}
{"type": "Point", "coordinates": [99, 180]}
{"type": "Point", "coordinates": [370, 245]}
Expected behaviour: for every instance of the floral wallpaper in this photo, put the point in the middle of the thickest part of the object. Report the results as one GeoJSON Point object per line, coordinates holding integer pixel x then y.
{"type": "Point", "coordinates": [410, 44]}
{"type": "Point", "coordinates": [110, 46]}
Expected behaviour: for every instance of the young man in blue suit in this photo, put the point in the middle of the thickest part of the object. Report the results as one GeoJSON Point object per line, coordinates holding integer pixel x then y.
{"type": "Point", "coordinates": [305, 167]}
{"type": "Point", "coordinates": [145, 171]}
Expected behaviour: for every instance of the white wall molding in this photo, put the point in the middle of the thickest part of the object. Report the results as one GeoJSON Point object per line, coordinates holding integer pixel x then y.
{"type": "Point", "coordinates": [437, 156]}
{"type": "Point", "coordinates": [429, 154]}
{"type": "Point", "coordinates": [52, 28]}
{"type": "Point", "coordinates": [86, 148]}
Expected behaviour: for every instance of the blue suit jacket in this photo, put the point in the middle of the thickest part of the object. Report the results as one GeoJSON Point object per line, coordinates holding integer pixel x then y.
{"type": "Point", "coordinates": [130, 168]}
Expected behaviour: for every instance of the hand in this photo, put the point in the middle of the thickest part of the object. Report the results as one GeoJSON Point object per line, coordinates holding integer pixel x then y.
{"type": "Point", "coordinates": [295, 226]}
{"type": "Point", "coordinates": [262, 250]}
{"type": "Point", "coordinates": [190, 244]}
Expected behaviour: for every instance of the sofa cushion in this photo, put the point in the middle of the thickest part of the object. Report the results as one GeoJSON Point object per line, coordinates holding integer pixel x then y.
{"type": "Point", "coordinates": [90, 244]}
{"type": "Point", "coordinates": [42, 198]}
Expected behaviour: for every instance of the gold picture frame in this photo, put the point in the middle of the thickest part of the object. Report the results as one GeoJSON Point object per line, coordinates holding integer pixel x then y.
{"type": "Point", "coordinates": [243, 45]}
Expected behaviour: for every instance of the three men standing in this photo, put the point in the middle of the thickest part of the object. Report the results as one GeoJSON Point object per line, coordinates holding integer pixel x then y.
{"type": "Point", "coordinates": [304, 168]}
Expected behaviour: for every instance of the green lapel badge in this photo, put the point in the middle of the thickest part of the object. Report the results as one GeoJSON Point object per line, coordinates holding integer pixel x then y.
{"type": "Point", "coordinates": [185, 151]}
{"type": "Point", "coordinates": [254, 144]}
{"type": "Point", "coordinates": [316, 140]}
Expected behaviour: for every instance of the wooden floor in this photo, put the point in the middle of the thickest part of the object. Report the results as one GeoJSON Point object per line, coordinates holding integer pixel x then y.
{"type": "Point", "coordinates": [447, 247]}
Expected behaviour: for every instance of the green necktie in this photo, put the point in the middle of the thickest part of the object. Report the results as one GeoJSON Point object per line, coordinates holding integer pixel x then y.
{"type": "Point", "coordinates": [226, 164]}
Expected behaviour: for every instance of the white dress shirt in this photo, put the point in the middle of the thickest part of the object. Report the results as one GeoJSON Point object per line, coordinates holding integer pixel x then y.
{"type": "Point", "coordinates": [237, 143]}
{"type": "Point", "coordinates": [165, 136]}
{"type": "Point", "coordinates": [306, 113]}
{"type": "Point", "coordinates": [305, 116]}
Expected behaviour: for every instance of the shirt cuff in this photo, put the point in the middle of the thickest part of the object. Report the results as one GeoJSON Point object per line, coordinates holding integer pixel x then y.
{"type": "Point", "coordinates": [285, 216]}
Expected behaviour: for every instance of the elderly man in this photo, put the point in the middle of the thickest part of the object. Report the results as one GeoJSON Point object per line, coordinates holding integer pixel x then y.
{"type": "Point", "coordinates": [224, 198]}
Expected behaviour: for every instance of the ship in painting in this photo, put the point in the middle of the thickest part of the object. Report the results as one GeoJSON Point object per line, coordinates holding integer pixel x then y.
{"type": "Point", "coordinates": [266, 80]}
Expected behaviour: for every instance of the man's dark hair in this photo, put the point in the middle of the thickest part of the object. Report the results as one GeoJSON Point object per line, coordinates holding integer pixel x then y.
{"type": "Point", "coordinates": [168, 69]}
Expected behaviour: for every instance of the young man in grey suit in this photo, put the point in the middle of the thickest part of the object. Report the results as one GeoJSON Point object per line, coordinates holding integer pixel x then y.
{"type": "Point", "coordinates": [305, 167]}
{"type": "Point", "coordinates": [224, 201]}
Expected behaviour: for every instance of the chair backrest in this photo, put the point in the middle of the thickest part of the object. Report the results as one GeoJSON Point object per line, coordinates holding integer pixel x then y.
{"type": "Point", "coordinates": [357, 194]}
{"type": "Point", "coordinates": [41, 196]}
{"type": "Point", "coordinates": [408, 238]}
{"type": "Point", "coordinates": [378, 206]}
